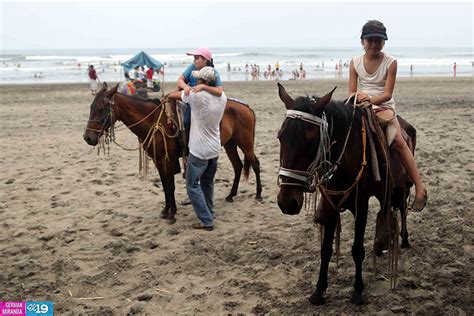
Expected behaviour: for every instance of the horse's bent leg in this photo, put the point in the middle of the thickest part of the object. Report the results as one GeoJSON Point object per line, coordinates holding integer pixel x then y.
{"type": "Point", "coordinates": [358, 252]}
{"type": "Point", "coordinates": [317, 297]}
{"type": "Point", "coordinates": [231, 150]}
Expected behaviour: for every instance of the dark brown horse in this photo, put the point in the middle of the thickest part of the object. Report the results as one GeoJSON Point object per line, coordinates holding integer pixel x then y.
{"type": "Point", "coordinates": [237, 130]}
{"type": "Point", "coordinates": [324, 146]}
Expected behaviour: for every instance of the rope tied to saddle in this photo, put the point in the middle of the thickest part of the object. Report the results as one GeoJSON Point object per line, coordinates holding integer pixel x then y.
{"type": "Point", "coordinates": [151, 136]}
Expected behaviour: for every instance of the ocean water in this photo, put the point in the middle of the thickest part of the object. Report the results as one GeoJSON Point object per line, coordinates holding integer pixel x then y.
{"type": "Point", "coordinates": [70, 66]}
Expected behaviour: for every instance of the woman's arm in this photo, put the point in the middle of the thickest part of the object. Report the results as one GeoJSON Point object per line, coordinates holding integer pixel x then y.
{"type": "Point", "coordinates": [389, 86]}
{"type": "Point", "coordinates": [182, 85]}
{"type": "Point", "coordinates": [217, 91]}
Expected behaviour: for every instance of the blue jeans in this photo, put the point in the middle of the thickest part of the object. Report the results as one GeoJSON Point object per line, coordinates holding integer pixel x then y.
{"type": "Point", "coordinates": [200, 186]}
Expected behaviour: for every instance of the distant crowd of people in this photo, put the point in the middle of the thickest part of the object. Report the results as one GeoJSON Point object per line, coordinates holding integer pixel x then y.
{"type": "Point", "coordinates": [269, 74]}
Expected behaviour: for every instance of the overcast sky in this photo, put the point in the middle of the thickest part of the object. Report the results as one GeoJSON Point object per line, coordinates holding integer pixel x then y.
{"type": "Point", "coordinates": [169, 25]}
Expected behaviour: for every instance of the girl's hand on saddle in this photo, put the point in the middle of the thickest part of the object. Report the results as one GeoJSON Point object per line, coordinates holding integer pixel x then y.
{"type": "Point", "coordinates": [362, 97]}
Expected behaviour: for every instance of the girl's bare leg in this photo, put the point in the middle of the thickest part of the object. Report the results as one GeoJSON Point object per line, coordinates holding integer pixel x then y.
{"type": "Point", "coordinates": [409, 163]}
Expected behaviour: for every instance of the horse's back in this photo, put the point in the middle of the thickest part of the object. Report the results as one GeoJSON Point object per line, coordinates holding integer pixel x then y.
{"type": "Point", "coordinates": [238, 124]}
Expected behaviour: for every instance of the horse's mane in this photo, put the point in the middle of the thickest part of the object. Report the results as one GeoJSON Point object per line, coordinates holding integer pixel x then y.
{"type": "Point", "coordinates": [338, 114]}
{"type": "Point", "coordinates": [141, 100]}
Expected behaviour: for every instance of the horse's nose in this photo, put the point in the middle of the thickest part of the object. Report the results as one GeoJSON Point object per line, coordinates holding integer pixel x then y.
{"type": "Point", "coordinates": [289, 208]}
{"type": "Point", "coordinates": [89, 140]}
{"type": "Point", "coordinates": [289, 205]}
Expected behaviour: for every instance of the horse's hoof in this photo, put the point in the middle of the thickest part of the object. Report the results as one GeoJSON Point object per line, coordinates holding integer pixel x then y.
{"type": "Point", "coordinates": [259, 198]}
{"type": "Point", "coordinates": [229, 199]}
{"type": "Point", "coordinates": [357, 299]}
{"type": "Point", "coordinates": [405, 244]}
{"type": "Point", "coordinates": [317, 299]}
{"type": "Point", "coordinates": [171, 221]}
{"type": "Point", "coordinates": [164, 214]}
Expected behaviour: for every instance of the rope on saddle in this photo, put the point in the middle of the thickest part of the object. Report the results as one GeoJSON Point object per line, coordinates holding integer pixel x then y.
{"type": "Point", "coordinates": [151, 136]}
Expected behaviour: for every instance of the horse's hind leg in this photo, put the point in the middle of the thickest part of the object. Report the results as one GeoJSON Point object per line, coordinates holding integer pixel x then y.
{"type": "Point", "coordinates": [317, 298]}
{"type": "Point", "coordinates": [256, 169]}
{"type": "Point", "coordinates": [358, 252]}
{"type": "Point", "coordinates": [231, 150]}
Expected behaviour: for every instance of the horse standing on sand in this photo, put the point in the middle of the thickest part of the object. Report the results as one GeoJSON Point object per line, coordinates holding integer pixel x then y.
{"type": "Point", "coordinates": [323, 146]}
{"type": "Point", "coordinates": [147, 120]}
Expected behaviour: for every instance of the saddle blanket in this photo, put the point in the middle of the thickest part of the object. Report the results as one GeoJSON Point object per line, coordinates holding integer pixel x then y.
{"type": "Point", "coordinates": [238, 101]}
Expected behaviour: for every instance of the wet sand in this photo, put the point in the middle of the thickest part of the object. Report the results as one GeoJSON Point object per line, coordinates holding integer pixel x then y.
{"type": "Point", "coordinates": [84, 231]}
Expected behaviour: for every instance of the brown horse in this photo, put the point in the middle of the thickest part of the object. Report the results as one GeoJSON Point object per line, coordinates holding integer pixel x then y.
{"type": "Point", "coordinates": [323, 146]}
{"type": "Point", "coordinates": [237, 130]}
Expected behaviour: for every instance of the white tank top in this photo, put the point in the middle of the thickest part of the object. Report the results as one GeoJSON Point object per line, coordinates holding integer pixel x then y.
{"type": "Point", "coordinates": [374, 84]}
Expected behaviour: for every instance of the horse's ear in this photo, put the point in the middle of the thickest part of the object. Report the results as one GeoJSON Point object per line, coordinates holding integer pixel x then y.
{"type": "Point", "coordinates": [112, 91]}
{"type": "Point", "coordinates": [104, 86]}
{"type": "Point", "coordinates": [325, 100]}
{"type": "Point", "coordinates": [285, 97]}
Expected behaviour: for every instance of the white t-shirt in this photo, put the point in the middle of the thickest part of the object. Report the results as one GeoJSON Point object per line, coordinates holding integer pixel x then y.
{"type": "Point", "coordinates": [374, 84]}
{"type": "Point", "coordinates": [206, 115]}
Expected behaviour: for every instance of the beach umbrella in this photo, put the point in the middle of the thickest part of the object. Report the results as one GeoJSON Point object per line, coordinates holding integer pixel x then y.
{"type": "Point", "coordinates": [141, 59]}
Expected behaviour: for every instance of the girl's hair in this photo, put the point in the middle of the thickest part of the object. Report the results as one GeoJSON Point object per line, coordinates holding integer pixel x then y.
{"type": "Point", "coordinates": [210, 63]}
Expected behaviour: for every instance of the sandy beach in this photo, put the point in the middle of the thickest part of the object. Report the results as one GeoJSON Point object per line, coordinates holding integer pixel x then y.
{"type": "Point", "coordinates": [84, 231]}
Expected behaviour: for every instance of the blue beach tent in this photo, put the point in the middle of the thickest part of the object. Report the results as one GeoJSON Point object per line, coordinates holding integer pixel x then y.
{"type": "Point", "coordinates": [141, 59]}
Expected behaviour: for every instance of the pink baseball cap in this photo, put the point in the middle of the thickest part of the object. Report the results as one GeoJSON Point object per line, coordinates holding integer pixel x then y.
{"type": "Point", "coordinates": [204, 52]}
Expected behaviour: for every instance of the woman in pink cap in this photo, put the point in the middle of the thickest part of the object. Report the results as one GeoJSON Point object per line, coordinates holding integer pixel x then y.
{"type": "Point", "coordinates": [186, 82]}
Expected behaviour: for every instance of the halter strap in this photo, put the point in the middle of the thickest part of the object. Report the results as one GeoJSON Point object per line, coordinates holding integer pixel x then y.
{"type": "Point", "coordinates": [295, 174]}
{"type": "Point", "coordinates": [313, 119]}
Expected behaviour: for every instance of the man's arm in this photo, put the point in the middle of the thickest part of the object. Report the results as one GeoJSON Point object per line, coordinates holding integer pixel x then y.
{"type": "Point", "coordinates": [175, 95]}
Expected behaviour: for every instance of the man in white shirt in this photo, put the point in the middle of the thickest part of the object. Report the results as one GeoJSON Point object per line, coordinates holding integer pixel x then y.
{"type": "Point", "coordinates": [204, 144]}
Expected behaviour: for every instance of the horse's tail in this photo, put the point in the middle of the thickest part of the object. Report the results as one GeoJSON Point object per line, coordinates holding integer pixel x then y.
{"type": "Point", "coordinates": [246, 168]}
{"type": "Point", "coordinates": [248, 160]}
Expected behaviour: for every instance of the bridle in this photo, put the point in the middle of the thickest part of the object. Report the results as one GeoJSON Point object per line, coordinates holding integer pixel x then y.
{"type": "Point", "coordinates": [308, 178]}
{"type": "Point", "coordinates": [107, 120]}
{"type": "Point", "coordinates": [321, 170]}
